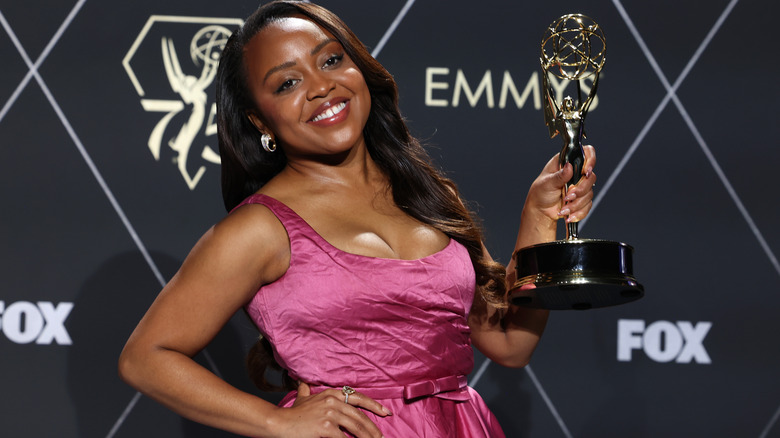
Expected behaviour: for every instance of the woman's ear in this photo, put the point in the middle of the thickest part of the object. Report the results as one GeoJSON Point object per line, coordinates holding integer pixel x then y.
{"type": "Point", "coordinates": [256, 121]}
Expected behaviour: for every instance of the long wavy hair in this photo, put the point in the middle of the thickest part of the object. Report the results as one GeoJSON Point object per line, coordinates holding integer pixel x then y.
{"type": "Point", "coordinates": [418, 187]}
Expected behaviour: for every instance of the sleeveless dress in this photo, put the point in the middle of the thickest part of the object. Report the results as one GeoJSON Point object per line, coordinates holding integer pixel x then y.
{"type": "Point", "coordinates": [392, 329]}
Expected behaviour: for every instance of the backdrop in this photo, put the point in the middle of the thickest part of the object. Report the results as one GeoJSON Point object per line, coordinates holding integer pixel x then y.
{"type": "Point", "coordinates": [110, 174]}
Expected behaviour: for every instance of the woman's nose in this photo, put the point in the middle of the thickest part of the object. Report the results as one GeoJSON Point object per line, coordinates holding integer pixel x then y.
{"type": "Point", "coordinates": [320, 85]}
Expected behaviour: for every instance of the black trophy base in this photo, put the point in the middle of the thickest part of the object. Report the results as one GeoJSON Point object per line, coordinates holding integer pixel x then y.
{"type": "Point", "coordinates": [575, 274]}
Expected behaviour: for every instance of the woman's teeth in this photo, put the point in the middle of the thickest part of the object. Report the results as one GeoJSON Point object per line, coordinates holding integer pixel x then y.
{"type": "Point", "coordinates": [330, 112]}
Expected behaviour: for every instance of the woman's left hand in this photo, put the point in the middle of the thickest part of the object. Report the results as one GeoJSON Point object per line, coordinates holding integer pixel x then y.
{"type": "Point", "coordinates": [545, 192]}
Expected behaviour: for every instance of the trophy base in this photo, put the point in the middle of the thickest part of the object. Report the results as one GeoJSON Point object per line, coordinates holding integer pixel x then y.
{"type": "Point", "coordinates": [575, 274]}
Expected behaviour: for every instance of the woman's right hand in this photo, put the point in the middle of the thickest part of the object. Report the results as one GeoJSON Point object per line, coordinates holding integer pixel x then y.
{"type": "Point", "coordinates": [544, 195]}
{"type": "Point", "coordinates": [325, 414]}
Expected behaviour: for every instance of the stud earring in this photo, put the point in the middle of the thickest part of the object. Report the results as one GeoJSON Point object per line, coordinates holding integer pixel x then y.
{"type": "Point", "coordinates": [268, 143]}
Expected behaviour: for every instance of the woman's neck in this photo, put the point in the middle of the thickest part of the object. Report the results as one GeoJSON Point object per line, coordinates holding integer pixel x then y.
{"type": "Point", "coordinates": [353, 168]}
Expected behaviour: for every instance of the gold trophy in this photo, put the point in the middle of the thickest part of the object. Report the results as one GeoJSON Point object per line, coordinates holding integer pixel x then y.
{"type": "Point", "coordinates": [573, 273]}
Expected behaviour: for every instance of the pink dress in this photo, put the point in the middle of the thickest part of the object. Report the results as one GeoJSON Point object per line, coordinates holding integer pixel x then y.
{"type": "Point", "coordinates": [392, 329]}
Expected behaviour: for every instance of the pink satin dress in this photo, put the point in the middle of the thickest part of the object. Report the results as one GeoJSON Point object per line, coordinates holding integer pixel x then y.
{"type": "Point", "coordinates": [392, 329]}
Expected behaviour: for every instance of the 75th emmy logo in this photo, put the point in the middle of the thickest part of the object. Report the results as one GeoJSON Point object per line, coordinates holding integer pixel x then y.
{"type": "Point", "coordinates": [573, 273]}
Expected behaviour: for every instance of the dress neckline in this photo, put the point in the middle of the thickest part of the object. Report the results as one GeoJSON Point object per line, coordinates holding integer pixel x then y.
{"type": "Point", "coordinates": [322, 241]}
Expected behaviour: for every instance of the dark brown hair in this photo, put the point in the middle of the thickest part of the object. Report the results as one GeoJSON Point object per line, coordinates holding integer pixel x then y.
{"type": "Point", "coordinates": [418, 187]}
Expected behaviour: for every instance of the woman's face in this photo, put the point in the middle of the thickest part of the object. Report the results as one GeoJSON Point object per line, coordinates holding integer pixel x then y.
{"type": "Point", "coordinates": [310, 96]}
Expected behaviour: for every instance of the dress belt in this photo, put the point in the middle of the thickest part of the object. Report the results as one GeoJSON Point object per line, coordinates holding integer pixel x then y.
{"type": "Point", "coordinates": [448, 388]}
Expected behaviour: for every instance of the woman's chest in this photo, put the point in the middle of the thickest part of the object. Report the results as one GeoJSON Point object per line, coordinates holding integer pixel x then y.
{"type": "Point", "coordinates": [376, 231]}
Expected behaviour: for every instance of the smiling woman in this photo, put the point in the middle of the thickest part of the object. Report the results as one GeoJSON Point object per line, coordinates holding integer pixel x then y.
{"type": "Point", "coordinates": [354, 256]}
{"type": "Point", "coordinates": [309, 94]}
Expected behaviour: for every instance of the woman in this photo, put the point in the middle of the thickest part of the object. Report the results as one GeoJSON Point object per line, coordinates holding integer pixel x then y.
{"type": "Point", "coordinates": [350, 251]}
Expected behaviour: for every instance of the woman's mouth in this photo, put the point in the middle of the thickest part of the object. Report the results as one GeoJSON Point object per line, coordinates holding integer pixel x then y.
{"type": "Point", "coordinates": [330, 112]}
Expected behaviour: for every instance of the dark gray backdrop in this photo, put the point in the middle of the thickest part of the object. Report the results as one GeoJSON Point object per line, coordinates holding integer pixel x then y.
{"type": "Point", "coordinates": [93, 224]}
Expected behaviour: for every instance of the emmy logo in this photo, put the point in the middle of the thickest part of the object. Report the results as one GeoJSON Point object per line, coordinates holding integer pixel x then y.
{"type": "Point", "coordinates": [188, 115]}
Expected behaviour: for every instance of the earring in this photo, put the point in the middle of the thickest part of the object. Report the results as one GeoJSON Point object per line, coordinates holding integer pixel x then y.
{"type": "Point", "coordinates": [268, 143]}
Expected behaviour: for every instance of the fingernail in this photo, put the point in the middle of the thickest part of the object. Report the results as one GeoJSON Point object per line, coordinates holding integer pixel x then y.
{"type": "Point", "coordinates": [564, 212]}
{"type": "Point", "coordinates": [571, 218]}
{"type": "Point", "coordinates": [570, 196]}
{"type": "Point", "coordinates": [387, 411]}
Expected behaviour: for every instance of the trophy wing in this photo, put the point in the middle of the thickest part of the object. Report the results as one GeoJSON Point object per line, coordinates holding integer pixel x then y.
{"type": "Point", "coordinates": [551, 109]}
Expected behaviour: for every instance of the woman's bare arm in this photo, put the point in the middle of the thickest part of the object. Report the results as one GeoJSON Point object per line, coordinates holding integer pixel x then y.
{"type": "Point", "coordinates": [509, 336]}
{"type": "Point", "coordinates": [221, 274]}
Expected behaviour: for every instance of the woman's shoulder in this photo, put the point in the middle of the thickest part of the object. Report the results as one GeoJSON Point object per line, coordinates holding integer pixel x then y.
{"type": "Point", "coordinates": [250, 222]}
{"type": "Point", "coordinates": [253, 237]}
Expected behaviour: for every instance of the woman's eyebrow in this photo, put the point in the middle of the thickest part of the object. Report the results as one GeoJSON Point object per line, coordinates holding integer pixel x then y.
{"type": "Point", "coordinates": [319, 46]}
{"type": "Point", "coordinates": [277, 68]}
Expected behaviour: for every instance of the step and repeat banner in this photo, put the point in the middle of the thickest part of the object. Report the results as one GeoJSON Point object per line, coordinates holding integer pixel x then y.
{"type": "Point", "coordinates": [110, 173]}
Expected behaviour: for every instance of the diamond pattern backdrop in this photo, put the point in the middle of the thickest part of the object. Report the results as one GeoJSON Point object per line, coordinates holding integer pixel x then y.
{"type": "Point", "coordinates": [94, 221]}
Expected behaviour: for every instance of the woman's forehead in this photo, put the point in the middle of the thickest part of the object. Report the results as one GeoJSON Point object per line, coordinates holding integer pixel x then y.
{"type": "Point", "coordinates": [292, 26]}
{"type": "Point", "coordinates": [296, 23]}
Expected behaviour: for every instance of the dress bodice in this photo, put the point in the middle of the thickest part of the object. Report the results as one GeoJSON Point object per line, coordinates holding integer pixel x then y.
{"type": "Point", "coordinates": [337, 318]}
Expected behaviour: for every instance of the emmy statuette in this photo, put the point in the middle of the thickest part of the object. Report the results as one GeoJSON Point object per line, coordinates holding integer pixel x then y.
{"type": "Point", "coordinates": [573, 273]}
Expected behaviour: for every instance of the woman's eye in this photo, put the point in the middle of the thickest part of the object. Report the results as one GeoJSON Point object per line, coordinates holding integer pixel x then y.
{"type": "Point", "coordinates": [334, 60]}
{"type": "Point", "coordinates": [286, 85]}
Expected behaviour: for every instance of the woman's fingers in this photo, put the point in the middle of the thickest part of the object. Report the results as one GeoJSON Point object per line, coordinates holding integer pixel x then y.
{"type": "Point", "coordinates": [545, 192]}
{"type": "Point", "coordinates": [590, 159]}
{"type": "Point", "coordinates": [303, 389]}
{"type": "Point", "coordinates": [578, 200]}
{"type": "Point", "coordinates": [579, 209]}
{"type": "Point", "coordinates": [358, 424]}
{"type": "Point", "coordinates": [362, 401]}
{"type": "Point", "coordinates": [326, 413]}
{"type": "Point", "coordinates": [352, 418]}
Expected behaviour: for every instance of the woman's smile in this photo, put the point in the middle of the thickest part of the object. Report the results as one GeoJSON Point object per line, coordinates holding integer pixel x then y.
{"type": "Point", "coordinates": [330, 112]}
